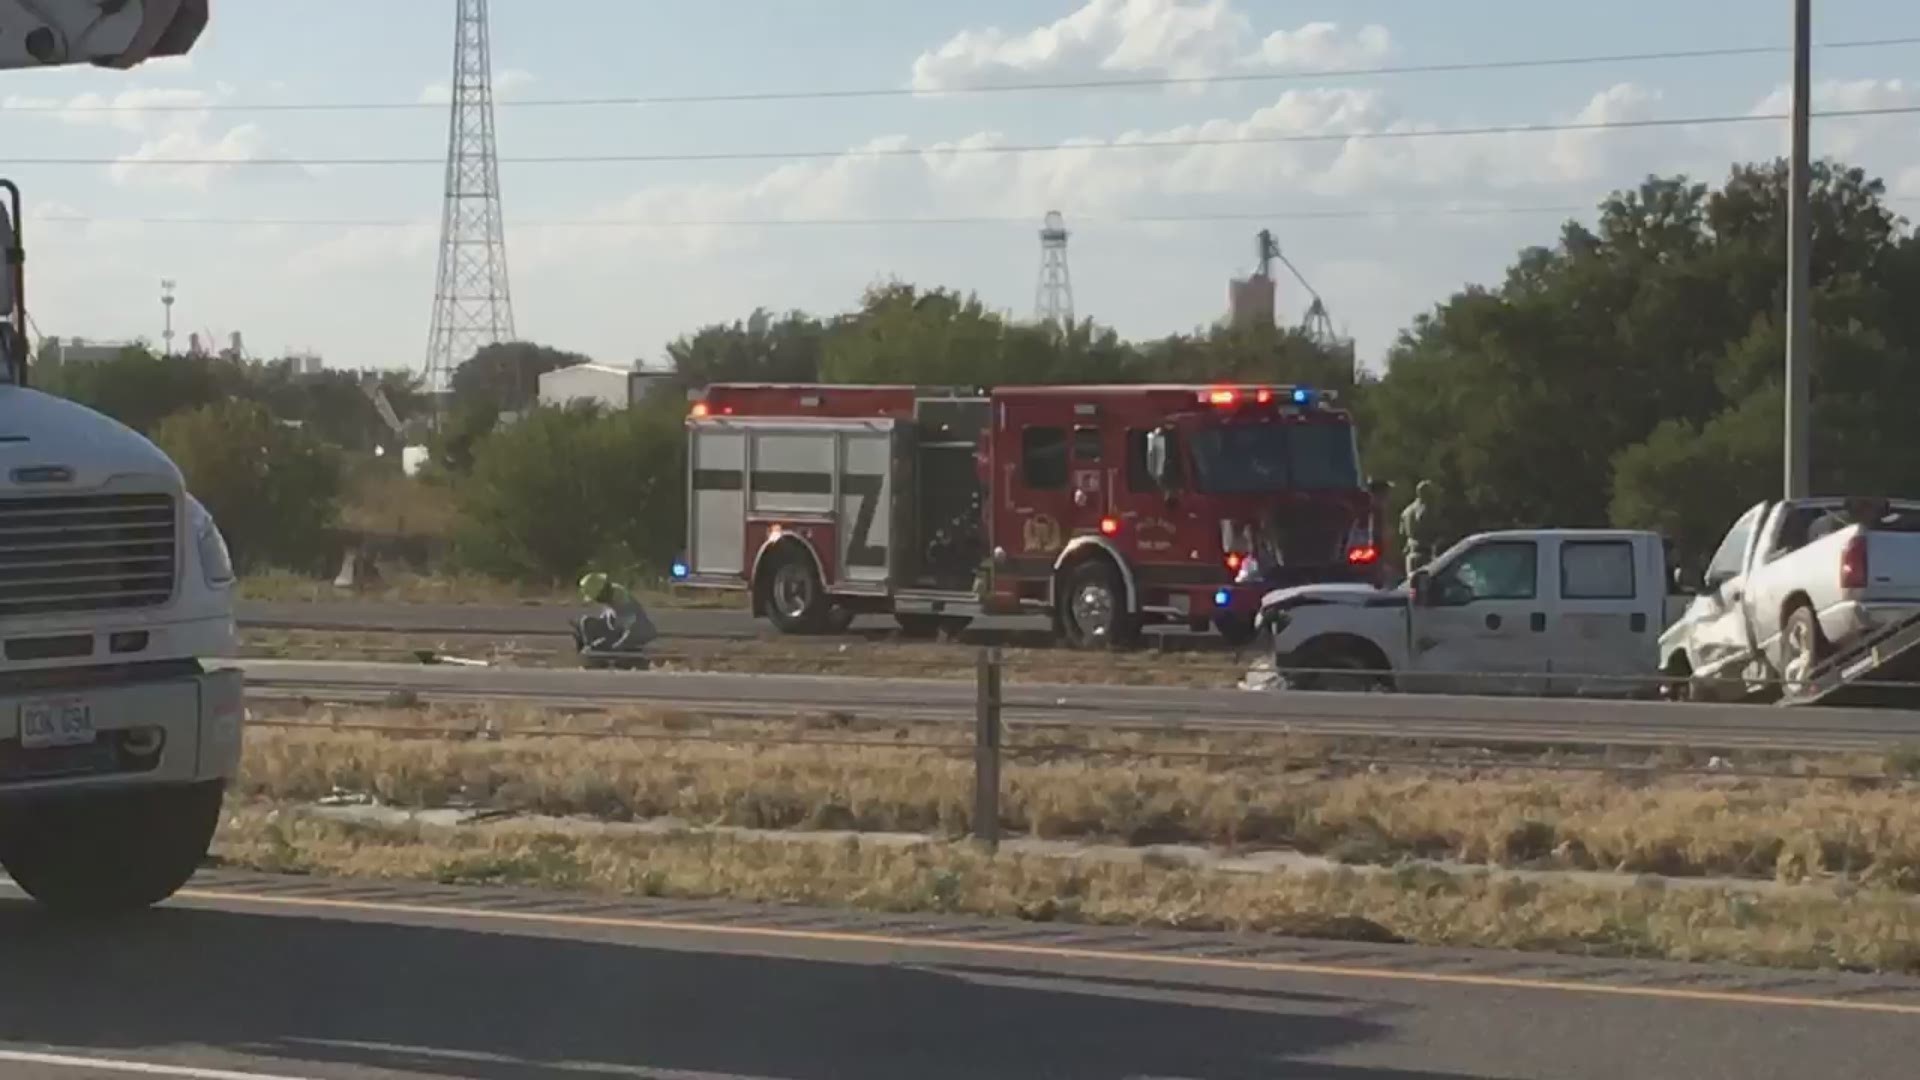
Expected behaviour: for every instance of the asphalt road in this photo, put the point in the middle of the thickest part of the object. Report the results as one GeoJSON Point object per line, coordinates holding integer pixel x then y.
{"type": "Point", "coordinates": [255, 977]}
{"type": "Point", "coordinates": [524, 619]}
{"type": "Point", "coordinates": [1480, 720]}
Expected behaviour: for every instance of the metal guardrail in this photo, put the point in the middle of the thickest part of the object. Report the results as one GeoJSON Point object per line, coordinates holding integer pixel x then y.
{"type": "Point", "coordinates": [1487, 720]}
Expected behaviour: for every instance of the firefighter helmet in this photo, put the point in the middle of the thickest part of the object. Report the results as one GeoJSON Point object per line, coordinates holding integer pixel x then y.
{"type": "Point", "coordinates": [594, 586]}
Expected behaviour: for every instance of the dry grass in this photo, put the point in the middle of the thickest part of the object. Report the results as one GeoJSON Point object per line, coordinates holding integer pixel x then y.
{"type": "Point", "coordinates": [1867, 930]}
{"type": "Point", "coordinates": [398, 587]}
{"type": "Point", "coordinates": [1248, 791]}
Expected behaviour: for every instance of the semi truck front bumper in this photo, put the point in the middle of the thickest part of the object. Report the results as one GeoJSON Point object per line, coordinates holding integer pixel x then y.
{"type": "Point", "coordinates": [176, 730]}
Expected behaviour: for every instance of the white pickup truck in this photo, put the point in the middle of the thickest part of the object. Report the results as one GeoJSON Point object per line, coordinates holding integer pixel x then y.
{"type": "Point", "coordinates": [1542, 612]}
{"type": "Point", "coordinates": [1793, 583]}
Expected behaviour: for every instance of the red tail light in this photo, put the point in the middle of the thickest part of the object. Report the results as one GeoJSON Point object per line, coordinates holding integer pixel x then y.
{"type": "Point", "coordinates": [1109, 526]}
{"type": "Point", "coordinates": [1364, 555]}
{"type": "Point", "coordinates": [1234, 561]}
{"type": "Point", "coordinates": [1853, 563]}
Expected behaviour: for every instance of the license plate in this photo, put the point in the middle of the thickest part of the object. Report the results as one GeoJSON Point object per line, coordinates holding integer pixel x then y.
{"type": "Point", "coordinates": [48, 724]}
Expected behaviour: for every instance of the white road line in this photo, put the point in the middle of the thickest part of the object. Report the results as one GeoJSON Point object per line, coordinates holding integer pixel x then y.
{"type": "Point", "coordinates": [133, 1068]}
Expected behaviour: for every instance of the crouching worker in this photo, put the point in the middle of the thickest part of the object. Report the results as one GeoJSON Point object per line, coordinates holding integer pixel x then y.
{"type": "Point", "coordinates": [620, 628]}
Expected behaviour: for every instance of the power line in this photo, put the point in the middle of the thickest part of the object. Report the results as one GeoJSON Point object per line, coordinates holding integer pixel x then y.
{"type": "Point", "coordinates": [1182, 142]}
{"type": "Point", "coordinates": [1066, 86]}
{"type": "Point", "coordinates": [1022, 220]}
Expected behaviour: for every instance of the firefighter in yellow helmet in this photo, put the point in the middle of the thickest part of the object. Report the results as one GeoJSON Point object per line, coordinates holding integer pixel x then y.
{"type": "Point", "coordinates": [621, 626]}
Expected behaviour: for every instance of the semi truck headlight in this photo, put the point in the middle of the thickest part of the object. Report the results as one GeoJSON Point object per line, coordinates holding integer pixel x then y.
{"type": "Point", "coordinates": [216, 562]}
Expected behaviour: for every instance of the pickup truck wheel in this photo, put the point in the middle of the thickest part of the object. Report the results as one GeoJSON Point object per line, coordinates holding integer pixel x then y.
{"type": "Point", "coordinates": [1676, 680]}
{"type": "Point", "coordinates": [111, 852]}
{"type": "Point", "coordinates": [1343, 669]}
{"type": "Point", "coordinates": [1803, 648]}
{"type": "Point", "coordinates": [1093, 608]}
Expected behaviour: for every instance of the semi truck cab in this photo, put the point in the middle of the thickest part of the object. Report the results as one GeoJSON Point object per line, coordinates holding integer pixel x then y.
{"type": "Point", "coordinates": [116, 737]}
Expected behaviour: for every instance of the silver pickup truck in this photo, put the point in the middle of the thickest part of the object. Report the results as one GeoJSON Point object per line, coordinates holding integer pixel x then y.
{"type": "Point", "coordinates": [1793, 583]}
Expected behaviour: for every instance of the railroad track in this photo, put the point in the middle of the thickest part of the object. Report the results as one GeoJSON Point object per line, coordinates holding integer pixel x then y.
{"type": "Point", "coordinates": [1483, 721]}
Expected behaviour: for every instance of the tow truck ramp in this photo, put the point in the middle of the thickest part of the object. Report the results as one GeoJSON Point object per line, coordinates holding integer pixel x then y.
{"type": "Point", "coordinates": [1882, 670]}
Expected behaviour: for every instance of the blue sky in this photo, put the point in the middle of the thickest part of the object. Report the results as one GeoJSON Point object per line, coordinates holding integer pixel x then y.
{"type": "Point", "coordinates": [360, 295]}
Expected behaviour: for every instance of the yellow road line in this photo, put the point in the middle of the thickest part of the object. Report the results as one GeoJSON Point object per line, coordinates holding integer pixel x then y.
{"type": "Point", "coordinates": [1058, 952]}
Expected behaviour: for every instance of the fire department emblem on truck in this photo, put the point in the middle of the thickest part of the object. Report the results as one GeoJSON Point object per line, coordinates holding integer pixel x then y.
{"type": "Point", "coordinates": [1041, 533]}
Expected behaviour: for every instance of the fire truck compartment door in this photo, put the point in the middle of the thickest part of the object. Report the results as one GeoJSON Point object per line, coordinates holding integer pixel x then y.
{"type": "Point", "coordinates": [718, 545]}
{"type": "Point", "coordinates": [866, 505]}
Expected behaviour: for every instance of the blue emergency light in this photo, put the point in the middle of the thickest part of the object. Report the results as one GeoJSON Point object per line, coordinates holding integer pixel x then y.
{"type": "Point", "coordinates": [1302, 397]}
{"type": "Point", "coordinates": [1223, 598]}
{"type": "Point", "coordinates": [680, 570]}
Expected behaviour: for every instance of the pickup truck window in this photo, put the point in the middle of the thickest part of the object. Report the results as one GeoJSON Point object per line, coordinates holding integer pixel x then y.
{"type": "Point", "coordinates": [1731, 558]}
{"type": "Point", "coordinates": [1597, 570]}
{"type": "Point", "coordinates": [1497, 570]}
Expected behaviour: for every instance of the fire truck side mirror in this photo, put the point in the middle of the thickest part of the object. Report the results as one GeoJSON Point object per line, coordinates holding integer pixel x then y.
{"type": "Point", "coordinates": [1160, 464]}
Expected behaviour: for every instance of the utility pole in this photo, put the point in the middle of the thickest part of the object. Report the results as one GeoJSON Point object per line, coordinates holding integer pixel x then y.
{"type": "Point", "coordinates": [166, 302]}
{"type": "Point", "coordinates": [1799, 471]}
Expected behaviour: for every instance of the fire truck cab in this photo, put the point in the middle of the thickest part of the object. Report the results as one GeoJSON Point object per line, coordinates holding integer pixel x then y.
{"type": "Point", "coordinates": [1105, 508]}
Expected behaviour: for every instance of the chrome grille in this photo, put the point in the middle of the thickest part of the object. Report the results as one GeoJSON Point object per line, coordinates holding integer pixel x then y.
{"type": "Point", "coordinates": [86, 553]}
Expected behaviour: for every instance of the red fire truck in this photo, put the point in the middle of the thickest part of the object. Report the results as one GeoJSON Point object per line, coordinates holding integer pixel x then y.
{"type": "Point", "coordinates": [1103, 507]}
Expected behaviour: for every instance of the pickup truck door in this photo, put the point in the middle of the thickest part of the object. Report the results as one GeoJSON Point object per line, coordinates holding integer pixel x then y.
{"type": "Point", "coordinates": [1480, 627]}
{"type": "Point", "coordinates": [1720, 639]}
{"type": "Point", "coordinates": [1603, 638]}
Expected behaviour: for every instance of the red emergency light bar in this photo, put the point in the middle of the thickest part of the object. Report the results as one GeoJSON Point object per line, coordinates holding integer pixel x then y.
{"type": "Point", "coordinates": [1226, 397]}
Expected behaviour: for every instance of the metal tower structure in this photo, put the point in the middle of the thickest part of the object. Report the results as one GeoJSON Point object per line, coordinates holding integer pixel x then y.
{"type": "Point", "coordinates": [472, 303]}
{"type": "Point", "coordinates": [1053, 300]}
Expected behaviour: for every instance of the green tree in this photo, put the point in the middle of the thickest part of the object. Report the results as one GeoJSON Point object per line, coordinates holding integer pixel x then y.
{"type": "Point", "coordinates": [272, 488]}
{"type": "Point", "coordinates": [140, 390]}
{"type": "Point", "coordinates": [562, 490]}
{"type": "Point", "coordinates": [757, 349]}
{"type": "Point", "coordinates": [506, 377]}
{"type": "Point", "coordinates": [1604, 369]}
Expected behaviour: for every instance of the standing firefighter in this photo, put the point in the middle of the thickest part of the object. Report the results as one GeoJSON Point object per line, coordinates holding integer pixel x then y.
{"type": "Point", "coordinates": [621, 627]}
{"type": "Point", "coordinates": [1420, 527]}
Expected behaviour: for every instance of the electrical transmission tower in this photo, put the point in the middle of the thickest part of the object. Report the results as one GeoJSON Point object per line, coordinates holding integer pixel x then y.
{"type": "Point", "coordinates": [472, 303]}
{"type": "Point", "coordinates": [1053, 300]}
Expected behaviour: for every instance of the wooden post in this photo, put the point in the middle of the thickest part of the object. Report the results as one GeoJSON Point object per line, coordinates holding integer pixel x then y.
{"type": "Point", "coordinates": [986, 749]}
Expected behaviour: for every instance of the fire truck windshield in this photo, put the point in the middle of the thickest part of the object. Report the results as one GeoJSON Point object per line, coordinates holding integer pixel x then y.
{"type": "Point", "coordinates": [1245, 459]}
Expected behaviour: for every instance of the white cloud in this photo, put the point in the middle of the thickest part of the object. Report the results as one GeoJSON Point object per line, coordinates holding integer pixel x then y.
{"type": "Point", "coordinates": [204, 156]}
{"type": "Point", "coordinates": [171, 123]}
{"type": "Point", "coordinates": [1176, 38]}
{"type": "Point", "coordinates": [1320, 46]}
{"type": "Point", "coordinates": [507, 84]}
{"type": "Point", "coordinates": [364, 248]}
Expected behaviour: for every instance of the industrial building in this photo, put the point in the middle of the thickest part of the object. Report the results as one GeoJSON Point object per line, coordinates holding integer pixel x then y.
{"type": "Point", "coordinates": [612, 387]}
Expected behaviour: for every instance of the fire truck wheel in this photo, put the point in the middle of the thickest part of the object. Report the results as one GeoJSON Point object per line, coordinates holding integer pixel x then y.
{"type": "Point", "coordinates": [796, 601]}
{"type": "Point", "coordinates": [110, 852]}
{"type": "Point", "coordinates": [1093, 608]}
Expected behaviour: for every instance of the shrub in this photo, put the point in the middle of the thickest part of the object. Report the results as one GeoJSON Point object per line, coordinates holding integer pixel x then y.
{"type": "Point", "coordinates": [271, 487]}
{"type": "Point", "coordinates": [564, 489]}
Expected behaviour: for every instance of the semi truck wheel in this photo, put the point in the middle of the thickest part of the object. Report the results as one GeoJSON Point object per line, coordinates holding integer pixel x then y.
{"type": "Point", "coordinates": [796, 600]}
{"type": "Point", "coordinates": [110, 852]}
{"type": "Point", "coordinates": [1093, 608]}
